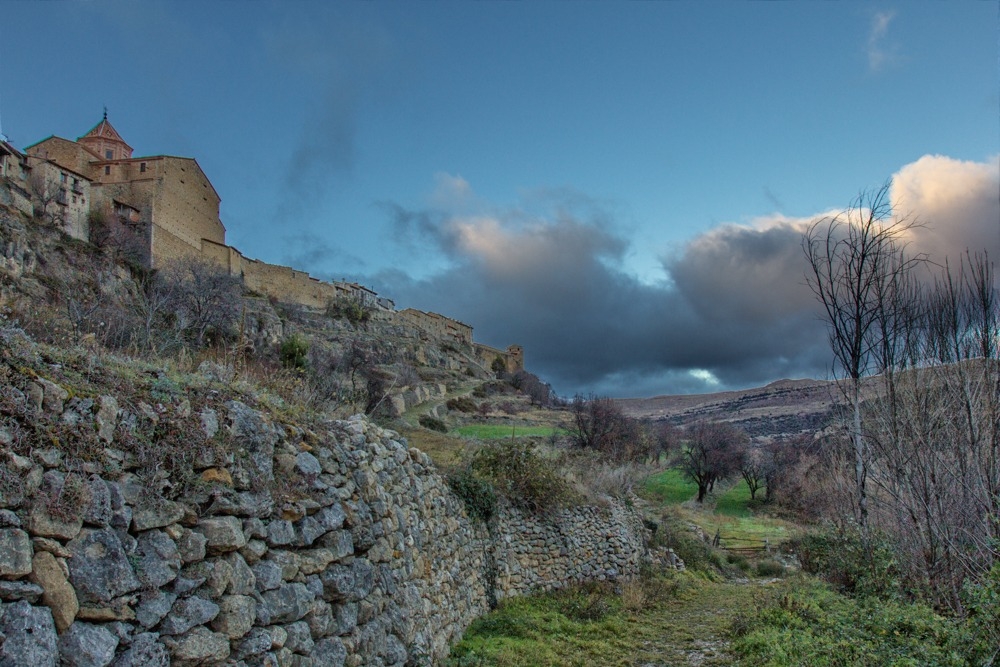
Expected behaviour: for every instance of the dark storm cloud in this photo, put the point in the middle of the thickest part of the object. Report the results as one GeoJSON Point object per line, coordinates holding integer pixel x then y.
{"type": "Point", "coordinates": [557, 285]}
{"type": "Point", "coordinates": [736, 311]}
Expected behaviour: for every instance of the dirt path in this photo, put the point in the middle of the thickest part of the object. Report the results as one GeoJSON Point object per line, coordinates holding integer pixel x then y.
{"type": "Point", "coordinates": [691, 629]}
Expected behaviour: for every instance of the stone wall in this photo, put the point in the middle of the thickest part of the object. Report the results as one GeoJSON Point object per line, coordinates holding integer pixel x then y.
{"type": "Point", "coordinates": [289, 546]}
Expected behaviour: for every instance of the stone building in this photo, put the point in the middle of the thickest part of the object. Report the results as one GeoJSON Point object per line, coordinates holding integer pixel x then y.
{"type": "Point", "coordinates": [166, 201]}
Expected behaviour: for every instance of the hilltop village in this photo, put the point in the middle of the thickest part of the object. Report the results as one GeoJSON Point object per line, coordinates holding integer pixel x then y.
{"type": "Point", "coordinates": [164, 208]}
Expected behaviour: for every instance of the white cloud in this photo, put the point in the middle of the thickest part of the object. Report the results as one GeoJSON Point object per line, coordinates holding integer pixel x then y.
{"type": "Point", "coordinates": [957, 203]}
{"type": "Point", "coordinates": [880, 54]}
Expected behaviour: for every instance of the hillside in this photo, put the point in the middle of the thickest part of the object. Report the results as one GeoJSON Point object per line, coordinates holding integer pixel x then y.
{"type": "Point", "coordinates": [784, 407]}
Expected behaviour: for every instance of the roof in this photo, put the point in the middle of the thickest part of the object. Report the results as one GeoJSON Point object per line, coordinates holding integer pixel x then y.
{"type": "Point", "coordinates": [104, 130]}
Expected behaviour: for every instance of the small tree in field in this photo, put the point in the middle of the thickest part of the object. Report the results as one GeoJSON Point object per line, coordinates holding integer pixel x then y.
{"type": "Point", "coordinates": [710, 454]}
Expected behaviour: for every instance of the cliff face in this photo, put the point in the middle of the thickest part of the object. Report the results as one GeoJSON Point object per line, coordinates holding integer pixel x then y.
{"type": "Point", "coordinates": [149, 517]}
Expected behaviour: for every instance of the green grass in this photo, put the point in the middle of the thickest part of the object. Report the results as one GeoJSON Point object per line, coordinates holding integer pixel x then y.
{"type": "Point", "coordinates": [662, 619]}
{"type": "Point", "coordinates": [498, 431]}
{"type": "Point", "coordinates": [808, 624]}
{"type": "Point", "coordinates": [669, 487]}
{"type": "Point", "coordinates": [735, 501]}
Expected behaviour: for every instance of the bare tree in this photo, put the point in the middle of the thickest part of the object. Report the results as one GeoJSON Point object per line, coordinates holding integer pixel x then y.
{"type": "Point", "coordinates": [600, 424]}
{"type": "Point", "coordinates": [207, 300]}
{"type": "Point", "coordinates": [857, 259]}
{"type": "Point", "coordinates": [46, 193]}
{"type": "Point", "coordinates": [710, 454]}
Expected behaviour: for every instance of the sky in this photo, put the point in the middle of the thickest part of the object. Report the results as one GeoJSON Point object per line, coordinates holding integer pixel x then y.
{"type": "Point", "coordinates": [621, 188]}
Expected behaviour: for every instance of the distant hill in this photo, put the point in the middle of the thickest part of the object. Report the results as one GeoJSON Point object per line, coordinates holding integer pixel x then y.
{"type": "Point", "coordinates": [784, 407]}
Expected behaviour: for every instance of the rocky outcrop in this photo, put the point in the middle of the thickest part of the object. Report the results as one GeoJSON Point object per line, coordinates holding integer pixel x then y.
{"type": "Point", "coordinates": [333, 546]}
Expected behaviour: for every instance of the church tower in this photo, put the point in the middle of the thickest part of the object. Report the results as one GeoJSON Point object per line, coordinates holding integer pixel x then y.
{"type": "Point", "coordinates": [105, 142]}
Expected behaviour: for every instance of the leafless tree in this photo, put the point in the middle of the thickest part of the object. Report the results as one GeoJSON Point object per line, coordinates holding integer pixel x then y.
{"type": "Point", "coordinates": [600, 424]}
{"type": "Point", "coordinates": [46, 193]}
{"type": "Point", "coordinates": [207, 300]}
{"type": "Point", "coordinates": [857, 260]}
{"type": "Point", "coordinates": [710, 454]}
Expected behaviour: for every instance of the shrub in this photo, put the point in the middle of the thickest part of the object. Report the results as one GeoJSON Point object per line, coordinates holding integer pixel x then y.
{"type": "Point", "coordinates": [770, 568]}
{"type": "Point", "coordinates": [522, 476]}
{"type": "Point", "coordinates": [476, 493]}
{"type": "Point", "coordinates": [842, 558]}
{"type": "Point", "coordinates": [462, 404]}
{"type": "Point", "coordinates": [294, 351]}
{"type": "Point", "coordinates": [433, 423]}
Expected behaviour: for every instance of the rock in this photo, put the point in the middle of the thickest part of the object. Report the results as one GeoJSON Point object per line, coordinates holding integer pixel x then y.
{"type": "Point", "coordinates": [154, 607]}
{"type": "Point", "coordinates": [209, 423]}
{"type": "Point", "coordinates": [144, 651]}
{"type": "Point", "coordinates": [99, 569]}
{"type": "Point", "coordinates": [12, 591]}
{"type": "Point", "coordinates": [54, 396]}
{"type": "Point", "coordinates": [256, 642]}
{"type": "Point", "coordinates": [222, 534]}
{"type": "Point", "coordinates": [153, 511]}
{"type": "Point", "coordinates": [159, 560]}
{"type": "Point", "coordinates": [15, 553]}
{"type": "Point", "coordinates": [307, 465]}
{"type": "Point", "coordinates": [243, 581]}
{"type": "Point", "coordinates": [285, 604]}
{"type": "Point", "coordinates": [57, 593]}
{"type": "Point", "coordinates": [86, 645]}
{"type": "Point", "coordinates": [106, 418]}
{"type": "Point", "coordinates": [314, 561]}
{"type": "Point", "coordinates": [187, 613]}
{"type": "Point", "coordinates": [329, 652]}
{"type": "Point", "coordinates": [29, 636]}
{"type": "Point", "coordinates": [221, 476]}
{"type": "Point", "coordinates": [237, 614]}
{"type": "Point", "coordinates": [299, 638]}
{"type": "Point", "coordinates": [256, 504]}
{"type": "Point", "coordinates": [280, 533]}
{"type": "Point", "coordinates": [267, 574]}
{"type": "Point", "coordinates": [257, 437]}
{"type": "Point", "coordinates": [191, 546]}
{"type": "Point", "coordinates": [98, 509]}
{"type": "Point", "coordinates": [198, 647]}
{"type": "Point", "coordinates": [118, 610]}
{"type": "Point", "coordinates": [9, 519]}
{"type": "Point", "coordinates": [44, 520]}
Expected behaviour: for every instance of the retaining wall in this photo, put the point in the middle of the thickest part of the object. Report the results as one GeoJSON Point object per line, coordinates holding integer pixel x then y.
{"type": "Point", "coordinates": [333, 546]}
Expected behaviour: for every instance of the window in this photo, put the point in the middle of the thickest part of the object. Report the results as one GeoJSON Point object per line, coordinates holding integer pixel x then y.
{"type": "Point", "coordinates": [62, 177]}
{"type": "Point", "coordinates": [107, 170]}
{"type": "Point", "coordinates": [142, 167]}
{"type": "Point", "coordinates": [109, 154]}
{"type": "Point", "coordinates": [74, 199]}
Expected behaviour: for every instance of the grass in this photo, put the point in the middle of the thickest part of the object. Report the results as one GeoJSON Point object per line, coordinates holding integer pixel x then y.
{"type": "Point", "coordinates": [498, 431]}
{"type": "Point", "coordinates": [669, 487]}
{"type": "Point", "coordinates": [664, 618]}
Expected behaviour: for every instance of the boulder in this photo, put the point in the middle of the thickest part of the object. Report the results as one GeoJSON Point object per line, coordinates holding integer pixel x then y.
{"type": "Point", "coordinates": [29, 636]}
{"type": "Point", "coordinates": [85, 645]}
{"type": "Point", "coordinates": [57, 594]}
{"type": "Point", "coordinates": [99, 569]}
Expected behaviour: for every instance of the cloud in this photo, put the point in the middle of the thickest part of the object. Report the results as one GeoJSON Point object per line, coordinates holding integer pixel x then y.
{"type": "Point", "coordinates": [551, 274]}
{"type": "Point", "coordinates": [880, 54]}
{"type": "Point", "coordinates": [956, 202]}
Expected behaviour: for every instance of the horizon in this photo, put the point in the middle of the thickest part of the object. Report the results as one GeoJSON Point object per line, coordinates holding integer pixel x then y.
{"type": "Point", "coordinates": [621, 189]}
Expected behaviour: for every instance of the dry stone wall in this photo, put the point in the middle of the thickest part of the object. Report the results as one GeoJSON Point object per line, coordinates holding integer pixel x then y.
{"type": "Point", "coordinates": [336, 546]}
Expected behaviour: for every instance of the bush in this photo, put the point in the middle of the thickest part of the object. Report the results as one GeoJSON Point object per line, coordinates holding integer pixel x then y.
{"type": "Point", "coordinates": [770, 568]}
{"type": "Point", "coordinates": [815, 626]}
{"type": "Point", "coordinates": [476, 493]}
{"type": "Point", "coordinates": [462, 404]}
{"type": "Point", "coordinates": [519, 474]}
{"type": "Point", "coordinates": [841, 558]}
{"type": "Point", "coordinates": [294, 351]}
{"type": "Point", "coordinates": [433, 423]}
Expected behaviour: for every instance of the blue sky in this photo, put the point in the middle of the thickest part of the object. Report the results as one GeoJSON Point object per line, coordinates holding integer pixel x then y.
{"type": "Point", "coordinates": [616, 186]}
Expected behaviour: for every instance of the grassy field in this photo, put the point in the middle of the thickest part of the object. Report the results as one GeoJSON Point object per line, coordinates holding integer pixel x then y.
{"type": "Point", "coordinates": [669, 487]}
{"type": "Point", "coordinates": [498, 431]}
